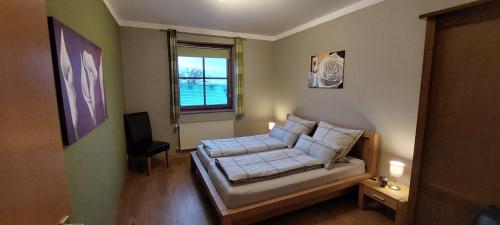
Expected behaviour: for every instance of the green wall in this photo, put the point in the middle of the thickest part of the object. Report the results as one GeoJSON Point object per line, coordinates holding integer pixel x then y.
{"type": "Point", "coordinates": [96, 164]}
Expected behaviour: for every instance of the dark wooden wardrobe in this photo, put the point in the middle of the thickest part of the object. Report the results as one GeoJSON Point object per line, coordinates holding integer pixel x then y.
{"type": "Point", "coordinates": [457, 148]}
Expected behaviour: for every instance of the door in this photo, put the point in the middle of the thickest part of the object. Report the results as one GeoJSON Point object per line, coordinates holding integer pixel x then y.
{"type": "Point", "coordinates": [458, 132]}
{"type": "Point", "coordinates": [33, 186]}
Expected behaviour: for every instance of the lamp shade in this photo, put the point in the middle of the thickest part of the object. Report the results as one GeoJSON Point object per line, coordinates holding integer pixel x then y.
{"type": "Point", "coordinates": [396, 168]}
{"type": "Point", "coordinates": [271, 125]}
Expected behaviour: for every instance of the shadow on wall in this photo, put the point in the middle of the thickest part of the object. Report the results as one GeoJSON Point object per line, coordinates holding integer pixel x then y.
{"type": "Point", "coordinates": [354, 115]}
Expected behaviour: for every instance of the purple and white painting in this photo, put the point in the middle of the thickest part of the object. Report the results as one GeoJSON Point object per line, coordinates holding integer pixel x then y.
{"type": "Point", "coordinates": [79, 81]}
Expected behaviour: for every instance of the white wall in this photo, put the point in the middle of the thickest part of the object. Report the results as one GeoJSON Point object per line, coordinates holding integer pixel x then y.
{"type": "Point", "coordinates": [384, 51]}
{"type": "Point", "coordinates": [147, 83]}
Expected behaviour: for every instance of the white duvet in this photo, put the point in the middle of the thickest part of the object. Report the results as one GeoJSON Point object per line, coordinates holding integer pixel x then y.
{"type": "Point", "coordinates": [265, 165]}
{"type": "Point", "coordinates": [216, 148]}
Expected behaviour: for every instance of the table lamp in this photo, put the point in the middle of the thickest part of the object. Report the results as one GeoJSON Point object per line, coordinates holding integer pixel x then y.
{"type": "Point", "coordinates": [271, 125]}
{"type": "Point", "coordinates": [396, 170]}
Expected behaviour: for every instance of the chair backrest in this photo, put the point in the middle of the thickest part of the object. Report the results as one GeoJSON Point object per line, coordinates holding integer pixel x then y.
{"type": "Point", "coordinates": [137, 130]}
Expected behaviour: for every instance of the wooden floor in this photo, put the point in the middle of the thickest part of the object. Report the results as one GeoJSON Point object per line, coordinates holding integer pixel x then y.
{"type": "Point", "coordinates": [174, 196]}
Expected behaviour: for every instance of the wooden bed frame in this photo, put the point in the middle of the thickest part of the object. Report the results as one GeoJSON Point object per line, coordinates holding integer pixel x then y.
{"type": "Point", "coordinates": [366, 149]}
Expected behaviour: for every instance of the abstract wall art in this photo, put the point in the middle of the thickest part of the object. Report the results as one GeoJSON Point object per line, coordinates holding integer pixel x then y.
{"type": "Point", "coordinates": [327, 70]}
{"type": "Point", "coordinates": [79, 81]}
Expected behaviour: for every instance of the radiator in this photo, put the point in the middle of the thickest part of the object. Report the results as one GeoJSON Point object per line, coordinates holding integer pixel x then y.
{"type": "Point", "coordinates": [191, 134]}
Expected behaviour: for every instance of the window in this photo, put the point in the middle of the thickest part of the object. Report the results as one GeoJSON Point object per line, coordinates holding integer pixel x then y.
{"type": "Point", "coordinates": [204, 77]}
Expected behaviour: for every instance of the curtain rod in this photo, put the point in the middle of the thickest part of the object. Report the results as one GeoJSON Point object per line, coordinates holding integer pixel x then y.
{"type": "Point", "coordinates": [207, 35]}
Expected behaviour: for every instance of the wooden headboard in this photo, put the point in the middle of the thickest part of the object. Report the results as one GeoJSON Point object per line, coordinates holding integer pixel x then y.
{"type": "Point", "coordinates": [367, 149]}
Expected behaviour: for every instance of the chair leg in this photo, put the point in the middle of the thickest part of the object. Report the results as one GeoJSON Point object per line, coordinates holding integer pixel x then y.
{"type": "Point", "coordinates": [166, 158]}
{"type": "Point", "coordinates": [149, 166]}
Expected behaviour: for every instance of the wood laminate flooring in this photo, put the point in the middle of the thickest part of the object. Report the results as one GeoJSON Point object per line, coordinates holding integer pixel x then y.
{"type": "Point", "coordinates": [174, 196]}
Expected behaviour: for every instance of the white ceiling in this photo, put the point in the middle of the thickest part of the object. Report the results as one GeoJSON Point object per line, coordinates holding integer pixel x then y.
{"type": "Point", "coordinates": [262, 19]}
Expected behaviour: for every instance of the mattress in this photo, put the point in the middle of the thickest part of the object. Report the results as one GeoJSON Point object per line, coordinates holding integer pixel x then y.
{"type": "Point", "coordinates": [239, 195]}
{"type": "Point", "coordinates": [204, 158]}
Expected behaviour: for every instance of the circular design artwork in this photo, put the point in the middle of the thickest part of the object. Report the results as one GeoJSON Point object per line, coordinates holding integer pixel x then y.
{"type": "Point", "coordinates": [327, 70]}
{"type": "Point", "coordinates": [331, 71]}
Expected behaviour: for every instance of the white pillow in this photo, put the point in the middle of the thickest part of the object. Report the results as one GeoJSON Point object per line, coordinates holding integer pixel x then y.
{"type": "Point", "coordinates": [287, 136]}
{"type": "Point", "coordinates": [320, 150]}
{"type": "Point", "coordinates": [298, 124]}
{"type": "Point", "coordinates": [342, 137]}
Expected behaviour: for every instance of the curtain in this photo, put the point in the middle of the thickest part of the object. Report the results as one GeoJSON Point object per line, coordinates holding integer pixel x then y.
{"type": "Point", "coordinates": [239, 89]}
{"type": "Point", "coordinates": [174, 76]}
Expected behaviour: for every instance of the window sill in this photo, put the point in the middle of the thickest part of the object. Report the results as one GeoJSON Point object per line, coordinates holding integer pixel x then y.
{"type": "Point", "coordinates": [190, 112]}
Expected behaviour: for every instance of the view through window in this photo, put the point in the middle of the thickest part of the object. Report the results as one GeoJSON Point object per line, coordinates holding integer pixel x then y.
{"type": "Point", "coordinates": [204, 77]}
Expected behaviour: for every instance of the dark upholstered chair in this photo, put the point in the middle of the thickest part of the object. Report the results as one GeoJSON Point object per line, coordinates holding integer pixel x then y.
{"type": "Point", "coordinates": [140, 141]}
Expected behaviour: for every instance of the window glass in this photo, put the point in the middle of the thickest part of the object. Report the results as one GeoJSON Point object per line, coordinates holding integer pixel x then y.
{"type": "Point", "coordinates": [216, 67]}
{"type": "Point", "coordinates": [216, 91]}
{"type": "Point", "coordinates": [204, 78]}
{"type": "Point", "coordinates": [191, 92]}
{"type": "Point", "coordinates": [190, 66]}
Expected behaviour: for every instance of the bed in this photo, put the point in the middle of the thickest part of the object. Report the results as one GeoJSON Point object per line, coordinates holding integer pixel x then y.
{"type": "Point", "coordinates": [236, 196]}
{"type": "Point", "coordinates": [249, 203]}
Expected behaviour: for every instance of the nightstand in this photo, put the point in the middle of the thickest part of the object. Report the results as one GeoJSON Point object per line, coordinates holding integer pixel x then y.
{"type": "Point", "coordinates": [397, 200]}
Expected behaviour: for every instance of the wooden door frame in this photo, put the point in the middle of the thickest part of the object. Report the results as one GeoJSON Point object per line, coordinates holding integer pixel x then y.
{"type": "Point", "coordinates": [34, 187]}
{"type": "Point", "coordinates": [431, 28]}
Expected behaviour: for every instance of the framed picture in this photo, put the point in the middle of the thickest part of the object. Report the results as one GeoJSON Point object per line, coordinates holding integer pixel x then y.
{"type": "Point", "coordinates": [79, 81]}
{"type": "Point", "coordinates": [327, 70]}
